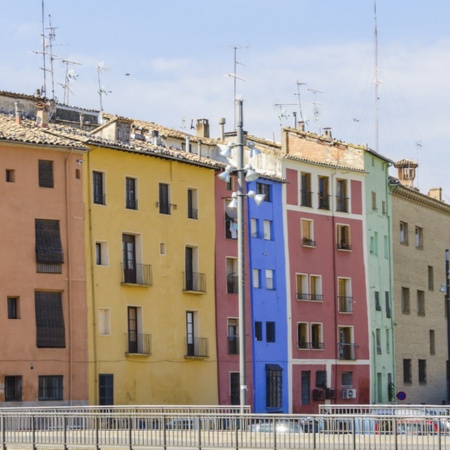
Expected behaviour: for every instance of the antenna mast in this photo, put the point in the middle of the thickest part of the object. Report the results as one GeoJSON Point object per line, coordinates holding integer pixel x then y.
{"type": "Point", "coordinates": [51, 38]}
{"type": "Point", "coordinates": [70, 75]}
{"type": "Point", "coordinates": [315, 108]}
{"type": "Point", "coordinates": [299, 101]}
{"type": "Point", "coordinates": [44, 87]}
{"type": "Point", "coordinates": [377, 83]}
{"type": "Point", "coordinates": [235, 78]}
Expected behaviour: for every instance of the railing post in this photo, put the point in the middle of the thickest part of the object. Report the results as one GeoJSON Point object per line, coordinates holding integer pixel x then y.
{"type": "Point", "coordinates": [65, 432]}
{"type": "Point", "coordinates": [33, 433]}
{"type": "Point", "coordinates": [97, 419]}
{"type": "Point", "coordinates": [199, 433]}
{"type": "Point", "coordinates": [130, 433]}
{"type": "Point", "coordinates": [236, 427]}
{"type": "Point", "coordinates": [3, 433]}
{"type": "Point", "coordinates": [274, 421]}
{"type": "Point", "coordinates": [395, 431]}
{"type": "Point", "coordinates": [314, 431]}
{"type": "Point", "coordinates": [164, 433]}
{"type": "Point", "coordinates": [354, 433]}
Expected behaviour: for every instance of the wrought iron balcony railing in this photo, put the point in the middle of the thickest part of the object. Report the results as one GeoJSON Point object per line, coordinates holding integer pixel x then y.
{"type": "Point", "coordinates": [194, 282]}
{"type": "Point", "coordinates": [233, 345]}
{"type": "Point", "coordinates": [346, 351]}
{"type": "Point", "coordinates": [345, 304]}
{"type": "Point", "coordinates": [140, 274]}
{"type": "Point", "coordinates": [197, 347]}
{"type": "Point", "coordinates": [137, 343]}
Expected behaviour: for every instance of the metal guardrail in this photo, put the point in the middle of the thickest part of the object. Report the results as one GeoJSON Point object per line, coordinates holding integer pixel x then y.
{"type": "Point", "coordinates": [88, 428]}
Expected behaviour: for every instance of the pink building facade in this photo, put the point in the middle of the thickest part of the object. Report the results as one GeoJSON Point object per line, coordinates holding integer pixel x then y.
{"type": "Point", "coordinates": [327, 285]}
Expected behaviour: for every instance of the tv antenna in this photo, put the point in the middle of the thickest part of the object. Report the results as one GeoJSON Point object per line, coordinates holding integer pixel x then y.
{"type": "Point", "coordinates": [101, 88]}
{"type": "Point", "coordinates": [299, 100]}
{"type": "Point", "coordinates": [283, 114]}
{"type": "Point", "coordinates": [235, 77]}
{"type": "Point", "coordinates": [70, 76]}
{"type": "Point", "coordinates": [316, 112]}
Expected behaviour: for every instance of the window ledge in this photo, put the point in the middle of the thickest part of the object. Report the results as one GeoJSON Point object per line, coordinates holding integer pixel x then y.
{"type": "Point", "coordinates": [136, 285]}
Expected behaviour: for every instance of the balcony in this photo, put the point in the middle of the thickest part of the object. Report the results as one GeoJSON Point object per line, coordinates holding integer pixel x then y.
{"type": "Point", "coordinates": [343, 246]}
{"type": "Point", "coordinates": [48, 268]}
{"type": "Point", "coordinates": [346, 351]}
{"type": "Point", "coordinates": [312, 297]}
{"type": "Point", "coordinates": [137, 274]}
{"type": "Point", "coordinates": [233, 345]}
{"type": "Point", "coordinates": [315, 345]}
{"type": "Point", "coordinates": [194, 282]}
{"type": "Point", "coordinates": [137, 344]}
{"type": "Point", "coordinates": [192, 213]}
{"type": "Point", "coordinates": [324, 201]}
{"type": "Point", "coordinates": [341, 203]}
{"type": "Point", "coordinates": [232, 284]}
{"type": "Point", "coordinates": [345, 304]}
{"type": "Point", "coordinates": [307, 242]}
{"type": "Point", "coordinates": [306, 198]}
{"type": "Point", "coordinates": [196, 347]}
{"type": "Point", "coordinates": [165, 208]}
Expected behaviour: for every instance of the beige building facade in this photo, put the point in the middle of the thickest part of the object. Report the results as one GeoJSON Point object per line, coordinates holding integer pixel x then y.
{"type": "Point", "coordinates": [421, 233]}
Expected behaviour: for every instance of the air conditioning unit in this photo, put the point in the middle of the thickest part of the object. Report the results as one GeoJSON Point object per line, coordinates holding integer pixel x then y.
{"type": "Point", "coordinates": [330, 393]}
{"type": "Point", "coordinates": [318, 394]}
{"type": "Point", "coordinates": [348, 393]}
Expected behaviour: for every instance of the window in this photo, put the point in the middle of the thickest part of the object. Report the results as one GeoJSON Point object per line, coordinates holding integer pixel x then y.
{"type": "Point", "coordinates": [341, 196]}
{"type": "Point", "coordinates": [13, 307]}
{"type": "Point", "coordinates": [230, 184]}
{"type": "Point", "coordinates": [307, 233]}
{"type": "Point", "coordinates": [274, 386]}
{"type": "Point", "coordinates": [270, 331]}
{"type": "Point", "coordinates": [347, 379]}
{"type": "Point", "coordinates": [316, 287]}
{"type": "Point", "coordinates": [422, 371]}
{"type": "Point", "coordinates": [162, 248]}
{"type": "Point", "coordinates": [129, 258]}
{"type": "Point", "coordinates": [383, 207]}
{"type": "Point", "coordinates": [377, 301]}
{"type": "Point", "coordinates": [104, 323]}
{"type": "Point", "coordinates": [262, 188]}
{"type": "Point", "coordinates": [430, 278]}
{"type": "Point", "coordinates": [345, 295]}
{"type": "Point", "coordinates": [193, 280]}
{"type": "Point", "coordinates": [267, 230]}
{"type": "Point", "coordinates": [50, 331]}
{"type": "Point", "coordinates": [403, 233]}
{"type": "Point", "coordinates": [378, 343]}
{"type": "Point", "coordinates": [256, 276]}
{"type": "Point", "coordinates": [432, 343]}
{"type": "Point", "coordinates": [324, 195]}
{"type": "Point", "coordinates": [374, 201]}
{"type": "Point", "coordinates": [13, 388]}
{"type": "Point", "coordinates": [192, 201]}
{"type": "Point", "coordinates": [343, 237]}
{"type": "Point", "coordinates": [316, 336]}
{"type": "Point", "coordinates": [270, 279]}
{"type": "Point", "coordinates": [45, 173]}
{"type": "Point", "coordinates": [254, 227]}
{"type": "Point", "coordinates": [98, 188]}
{"type": "Point", "coordinates": [302, 335]}
{"type": "Point", "coordinates": [232, 275]}
{"type": "Point", "coordinates": [231, 225]}
{"type": "Point", "coordinates": [105, 389]}
{"type": "Point", "coordinates": [419, 237]}
{"type": "Point", "coordinates": [50, 387]}
{"type": "Point", "coordinates": [388, 342]}
{"type": "Point", "coordinates": [321, 379]}
{"type": "Point", "coordinates": [346, 345]}
{"type": "Point", "coordinates": [305, 193]}
{"type": "Point", "coordinates": [407, 376]}
{"type": "Point", "coordinates": [137, 341]}
{"type": "Point", "coordinates": [302, 286]}
{"type": "Point", "coordinates": [306, 387]}
{"type": "Point", "coordinates": [10, 176]}
{"type": "Point", "coordinates": [196, 346]}
{"type": "Point", "coordinates": [258, 331]}
{"type": "Point", "coordinates": [49, 252]}
{"type": "Point", "coordinates": [131, 193]}
{"type": "Point", "coordinates": [386, 247]}
{"type": "Point", "coordinates": [406, 308]}
{"type": "Point", "coordinates": [420, 303]}
{"type": "Point", "coordinates": [388, 304]}
{"type": "Point", "coordinates": [235, 388]}
{"type": "Point", "coordinates": [164, 199]}
{"type": "Point", "coordinates": [101, 253]}
{"type": "Point", "coordinates": [233, 336]}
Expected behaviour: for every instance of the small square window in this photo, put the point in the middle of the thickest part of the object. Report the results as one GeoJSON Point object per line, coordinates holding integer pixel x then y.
{"type": "Point", "coordinates": [262, 188]}
{"type": "Point", "coordinates": [270, 284]}
{"type": "Point", "coordinates": [13, 307]}
{"type": "Point", "coordinates": [10, 176]}
{"type": "Point", "coordinates": [162, 248]}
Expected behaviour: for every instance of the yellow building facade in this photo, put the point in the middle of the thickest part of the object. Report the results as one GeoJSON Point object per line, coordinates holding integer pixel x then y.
{"type": "Point", "coordinates": [150, 236]}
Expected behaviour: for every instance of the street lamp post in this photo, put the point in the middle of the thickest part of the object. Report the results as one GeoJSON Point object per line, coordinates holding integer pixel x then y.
{"type": "Point", "coordinates": [447, 300]}
{"type": "Point", "coordinates": [241, 253]}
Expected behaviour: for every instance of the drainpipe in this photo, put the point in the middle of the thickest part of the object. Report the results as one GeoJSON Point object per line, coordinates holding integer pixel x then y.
{"type": "Point", "coordinates": [336, 302]}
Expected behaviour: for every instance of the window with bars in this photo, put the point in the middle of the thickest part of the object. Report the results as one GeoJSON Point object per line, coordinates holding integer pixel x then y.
{"type": "Point", "coordinates": [13, 388]}
{"type": "Point", "coordinates": [50, 330]}
{"type": "Point", "coordinates": [50, 387]}
{"type": "Point", "coordinates": [321, 378]}
{"type": "Point", "coordinates": [49, 252]}
{"type": "Point", "coordinates": [274, 386]}
{"type": "Point", "coordinates": [45, 173]}
{"type": "Point", "coordinates": [262, 188]}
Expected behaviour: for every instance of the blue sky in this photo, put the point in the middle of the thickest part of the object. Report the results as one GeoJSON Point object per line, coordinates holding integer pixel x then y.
{"type": "Point", "coordinates": [178, 54]}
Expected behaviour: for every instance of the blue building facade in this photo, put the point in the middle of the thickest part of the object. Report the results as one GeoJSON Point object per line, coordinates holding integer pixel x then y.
{"type": "Point", "coordinates": [268, 298]}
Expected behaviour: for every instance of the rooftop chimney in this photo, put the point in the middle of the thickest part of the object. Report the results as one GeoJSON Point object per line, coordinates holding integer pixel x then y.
{"type": "Point", "coordinates": [435, 193]}
{"type": "Point", "coordinates": [301, 125]}
{"type": "Point", "coordinates": [202, 128]}
{"type": "Point", "coordinates": [327, 132]}
{"type": "Point", "coordinates": [406, 171]}
{"type": "Point", "coordinates": [42, 115]}
{"type": "Point", "coordinates": [222, 122]}
{"type": "Point", "coordinates": [17, 110]}
{"type": "Point", "coordinates": [81, 120]}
